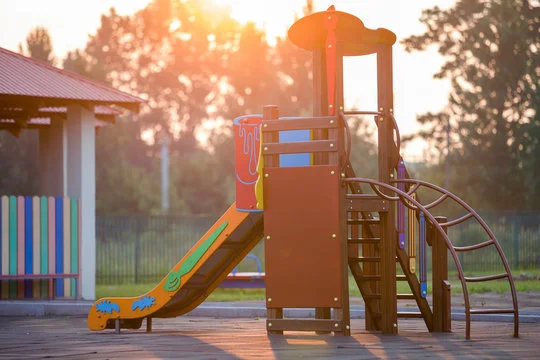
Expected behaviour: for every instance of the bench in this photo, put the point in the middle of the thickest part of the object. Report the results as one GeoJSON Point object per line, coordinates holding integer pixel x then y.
{"type": "Point", "coordinates": [39, 247]}
{"type": "Point", "coordinates": [49, 277]}
{"type": "Point", "coordinates": [241, 280]}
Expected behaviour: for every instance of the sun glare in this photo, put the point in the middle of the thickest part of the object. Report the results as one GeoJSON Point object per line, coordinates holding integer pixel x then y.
{"type": "Point", "coordinates": [272, 16]}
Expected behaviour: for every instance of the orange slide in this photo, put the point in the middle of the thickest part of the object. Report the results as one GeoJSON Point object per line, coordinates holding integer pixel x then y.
{"type": "Point", "coordinates": [188, 284]}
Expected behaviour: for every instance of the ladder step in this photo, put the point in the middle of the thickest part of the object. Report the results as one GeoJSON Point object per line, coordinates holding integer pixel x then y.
{"type": "Point", "coordinates": [406, 297]}
{"type": "Point", "coordinates": [362, 196]}
{"type": "Point", "coordinates": [401, 278]}
{"type": "Point", "coordinates": [366, 240]}
{"type": "Point", "coordinates": [409, 315]}
{"type": "Point", "coordinates": [365, 259]}
{"type": "Point", "coordinates": [486, 278]}
{"type": "Point", "coordinates": [474, 247]}
{"type": "Point", "coordinates": [492, 311]}
{"type": "Point", "coordinates": [362, 221]}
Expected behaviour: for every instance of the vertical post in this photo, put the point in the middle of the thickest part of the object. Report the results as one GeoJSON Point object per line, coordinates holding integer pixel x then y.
{"type": "Point", "coordinates": [271, 112]}
{"type": "Point", "coordinates": [52, 158]}
{"type": "Point", "coordinates": [441, 286]}
{"type": "Point", "coordinates": [386, 168]}
{"type": "Point", "coordinates": [516, 240]}
{"type": "Point", "coordinates": [81, 184]}
{"type": "Point", "coordinates": [447, 159]}
{"type": "Point", "coordinates": [320, 100]}
{"type": "Point", "coordinates": [137, 250]}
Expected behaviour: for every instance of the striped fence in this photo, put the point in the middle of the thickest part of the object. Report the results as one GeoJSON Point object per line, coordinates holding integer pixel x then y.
{"type": "Point", "coordinates": [39, 237]}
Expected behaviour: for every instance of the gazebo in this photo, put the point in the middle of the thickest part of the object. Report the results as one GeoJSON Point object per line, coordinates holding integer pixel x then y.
{"type": "Point", "coordinates": [66, 108]}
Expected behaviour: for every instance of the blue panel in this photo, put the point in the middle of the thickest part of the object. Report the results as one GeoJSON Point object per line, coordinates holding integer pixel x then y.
{"type": "Point", "coordinates": [59, 242]}
{"type": "Point", "coordinates": [288, 160]}
{"type": "Point", "coordinates": [28, 245]}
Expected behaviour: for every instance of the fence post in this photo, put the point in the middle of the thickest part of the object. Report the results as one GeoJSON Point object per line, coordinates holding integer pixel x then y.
{"type": "Point", "coordinates": [461, 243]}
{"type": "Point", "coordinates": [137, 245]}
{"type": "Point", "coordinates": [516, 240]}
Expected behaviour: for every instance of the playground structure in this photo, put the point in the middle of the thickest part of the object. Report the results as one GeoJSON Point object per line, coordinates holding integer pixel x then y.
{"type": "Point", "coordinates": [319, 220]}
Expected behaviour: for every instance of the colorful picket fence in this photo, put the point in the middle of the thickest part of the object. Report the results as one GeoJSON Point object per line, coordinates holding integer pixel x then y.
{"type": "Point", "coordinates": [39, 235]}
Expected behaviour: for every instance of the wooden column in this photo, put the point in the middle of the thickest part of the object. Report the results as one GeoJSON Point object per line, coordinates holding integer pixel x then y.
{"type": "Point", "coordinates": [271, 112]}
{"type": "Point", "coordinates": [320, 100]}
{"type": "Point", "coordinates": [388, 231]}
{"type": "Point", "coordinates": [440, 283]}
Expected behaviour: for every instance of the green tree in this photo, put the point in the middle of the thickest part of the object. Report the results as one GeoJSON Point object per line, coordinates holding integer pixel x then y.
{"type": "Point", "coordinates": [39, 45]}
{"type": "Point", "coordinates": [491, 52]}
{"type": "Point", "coordinates": [19, 147]}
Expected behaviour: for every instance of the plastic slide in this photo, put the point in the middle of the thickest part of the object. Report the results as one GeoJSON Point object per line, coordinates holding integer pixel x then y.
{"type": "Point", "coordinates": [190, 281]}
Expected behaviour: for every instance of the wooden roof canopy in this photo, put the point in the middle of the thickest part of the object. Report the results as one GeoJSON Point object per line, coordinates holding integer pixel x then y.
{"type": "Point", "coordinates": [31, 89]}
{"type": "Point", "coordinates": [310, 33]}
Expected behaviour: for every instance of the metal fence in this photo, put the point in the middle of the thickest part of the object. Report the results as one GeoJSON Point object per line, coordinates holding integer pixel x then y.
{"type": "Point", "coordinates": [142, 249]}
{"type": "Point", "coordinates": [518, 233]}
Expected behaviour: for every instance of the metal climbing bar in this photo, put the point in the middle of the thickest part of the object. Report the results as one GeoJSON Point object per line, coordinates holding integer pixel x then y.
{"type": "Point", "coordinates": [412, 237]}
{"type": "Point", "coordinates": [422, 246]}
{"type": "Point", "coordinates": [401, 206]}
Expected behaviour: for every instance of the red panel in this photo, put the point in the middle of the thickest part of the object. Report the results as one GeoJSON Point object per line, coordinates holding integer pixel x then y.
{"type": "Point", "coordinates": [303, 256]}
{"type": "Point", "coordinates": [247, 137]}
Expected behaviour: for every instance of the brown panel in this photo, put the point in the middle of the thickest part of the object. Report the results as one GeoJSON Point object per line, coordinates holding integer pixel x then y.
{"type": "Point", "coordinates": [303, 256]}
{"type": "Point", "coordinates": [304, 325]}
{"type": "Point", "coordinates": [300, 147]}
{"type": "Point", "coordinates": [324, 122]}
{"type": "Point", "coordinates": [363, 202]}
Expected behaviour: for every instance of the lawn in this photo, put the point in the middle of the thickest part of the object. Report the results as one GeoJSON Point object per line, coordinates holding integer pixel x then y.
{"type": "Point", "coordinates": [526, 281]}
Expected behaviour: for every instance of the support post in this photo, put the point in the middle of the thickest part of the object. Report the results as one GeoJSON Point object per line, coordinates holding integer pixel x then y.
{"type": "Point", "coordinates": [52, 159]}
{"type": "Point", "coordinates": [81, 184]}
{"type": "Point", "coordinates": [386, 171]}
{"type": "Point", "coordinates": [441, 286]}
{"type": "Point", "coordinates": [271, 112]}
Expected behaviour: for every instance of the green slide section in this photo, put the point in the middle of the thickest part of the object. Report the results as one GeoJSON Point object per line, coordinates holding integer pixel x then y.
{"type": "Point", "coordinates": [173, 280]}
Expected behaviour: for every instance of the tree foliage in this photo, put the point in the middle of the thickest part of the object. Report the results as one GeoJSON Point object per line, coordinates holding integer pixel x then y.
{"type": "Point", "coordinates": [491, 52]}
{"type": "Point", "coordinates": [199, 69]}
{"type": "Point", "coordinates": [196, 66]}
{"type": "Point", "coordinates": [39, 45]}
{"type": "Point", "coordinates": [19, 149]}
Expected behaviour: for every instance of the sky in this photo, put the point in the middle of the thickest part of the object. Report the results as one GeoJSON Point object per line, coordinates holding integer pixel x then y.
{"type": "Point", "coordinates": [415, 91]}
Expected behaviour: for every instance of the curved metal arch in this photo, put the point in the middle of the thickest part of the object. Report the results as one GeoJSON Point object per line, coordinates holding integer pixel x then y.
{"type": "Point", "coordinates": [417, 184]}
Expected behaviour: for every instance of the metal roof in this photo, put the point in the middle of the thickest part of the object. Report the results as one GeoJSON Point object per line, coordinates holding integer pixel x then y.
{"type": "Point", "coordinates": [23, 78]}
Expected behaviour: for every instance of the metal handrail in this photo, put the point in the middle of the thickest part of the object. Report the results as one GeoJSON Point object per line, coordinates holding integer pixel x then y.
{"type": "Point", "coordinates": [349, 139]}
{"type": "Point", "coordinates": [417, 184]}
{"type": "Point", "coordinates": [412, 203]}
{"type": "Point", "coordinates": [377, 113]}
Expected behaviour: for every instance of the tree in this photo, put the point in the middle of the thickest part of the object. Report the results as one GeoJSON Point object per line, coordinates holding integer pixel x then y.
{"type": "Point", "coordinates": [39, 45]}
{"type": "Point", "coordinates": [491, 52]}
{"type": "Point", "coordinates": [19, 150]}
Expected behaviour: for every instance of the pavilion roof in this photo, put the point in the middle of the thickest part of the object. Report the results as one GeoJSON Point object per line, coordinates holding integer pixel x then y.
{"type": "Point", "coordinates": [31, 83]}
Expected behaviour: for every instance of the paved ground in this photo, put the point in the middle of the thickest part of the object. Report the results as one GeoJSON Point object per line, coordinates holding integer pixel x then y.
{"type": "Point", "coordinates": [215, 338]}
{"type": "Point", "coordinates": [239, 332]}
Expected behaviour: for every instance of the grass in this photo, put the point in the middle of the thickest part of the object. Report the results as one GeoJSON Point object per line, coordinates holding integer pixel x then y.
{"type": "Point", "coordinates": [529, 283]}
